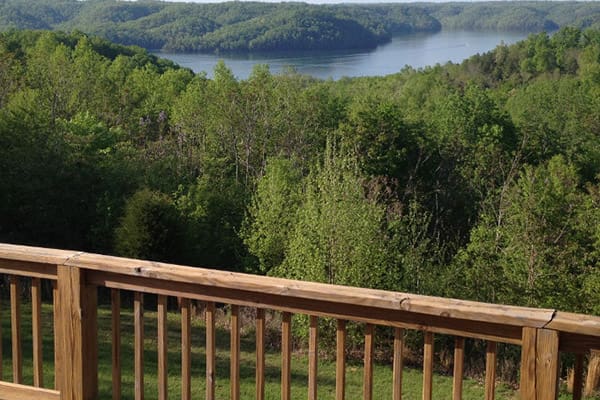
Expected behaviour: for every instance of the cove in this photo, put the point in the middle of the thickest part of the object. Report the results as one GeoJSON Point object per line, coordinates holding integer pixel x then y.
{"type": "Point", "coordinates": [415, 50]}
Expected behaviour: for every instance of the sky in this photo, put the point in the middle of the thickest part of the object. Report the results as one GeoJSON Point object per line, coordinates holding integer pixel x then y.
{"type": "Point", "coordinates": [330, 1]}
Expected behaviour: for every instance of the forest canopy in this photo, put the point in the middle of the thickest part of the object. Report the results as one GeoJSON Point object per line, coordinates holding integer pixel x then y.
{"type": "Point", "coordinates": [254, 26]}
{"type": "Point", "coordinates": [478, 180]}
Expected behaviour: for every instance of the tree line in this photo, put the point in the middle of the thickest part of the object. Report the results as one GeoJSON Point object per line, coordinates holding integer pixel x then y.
{"type": "Point", "coordinates": [255, 26]}
{"type": "Point", "coordinates": [477, 180]}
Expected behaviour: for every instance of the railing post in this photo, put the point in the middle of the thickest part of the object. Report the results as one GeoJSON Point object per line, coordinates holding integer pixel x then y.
{"type": "Point", "coordinates": [539, 364]}
{"type": "Point", "coordinates": [76, 330]}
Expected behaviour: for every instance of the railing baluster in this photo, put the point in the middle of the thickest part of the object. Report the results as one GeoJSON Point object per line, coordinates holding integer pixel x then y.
{"type": "Point", "coordinates": [36, 330]}
{"type": "Point", "coordinates": [428, 366]}
{"type": "Point", "coordinates": [578, 377]}
{"type": "Point", "coordinates": [163, 367]}
{"type": "Point", "coordinates": [235, 353]}
{"type": "Point", "coordinates": [313, 358]}
{"type": "Point", "coordinates": [210, 351]}
{"type": "Point", "coordinates": [398, 363]}
{"type": "Point", "coordinates": [1, 356]}
{"type": "Point", "coordinates": [459, 368]}
{"type": "Point", "coordinates": [490, 370]}
{"type": "Point", "coordinates": [15, 318]}
{"type": "Point", "coordinates": [368, 366]}
{"type": "Point", "coordinates": [115, 301]}
{"type": "Point", "coordinates": [340, 361]}
{"type": "Point", "coordinates": [186, 350]}
{"type": "Point", "coordinates": [286, 356]}
{"type": "Point", "coordinates": [55, 317]}
{"type": "Point", "coordinates": [138, 316]}
{"type": "Point", "coordinates": [260, 354]}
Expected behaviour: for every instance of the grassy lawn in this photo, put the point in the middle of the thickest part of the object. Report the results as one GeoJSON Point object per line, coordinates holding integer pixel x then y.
{"type": "Point", "coordinates": [412, 382]}
{"type": "Point", "coordinates": [412, 378]}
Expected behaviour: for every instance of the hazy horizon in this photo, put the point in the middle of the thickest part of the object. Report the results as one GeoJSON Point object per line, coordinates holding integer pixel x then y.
{"type": "Point", "coordinates": [363, 1]}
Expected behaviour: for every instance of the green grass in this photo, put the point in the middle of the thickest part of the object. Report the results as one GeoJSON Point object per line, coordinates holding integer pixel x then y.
{"type": "Point", "coordinates": [412, 382]}
{"type": "Point", "coordinates": [412, 378]}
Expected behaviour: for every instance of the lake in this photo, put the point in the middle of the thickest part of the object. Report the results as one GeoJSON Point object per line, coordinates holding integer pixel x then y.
{"type": "Point", "coordinates": [417, 50]}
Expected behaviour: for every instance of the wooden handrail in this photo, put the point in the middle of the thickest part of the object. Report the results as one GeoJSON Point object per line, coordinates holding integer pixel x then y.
{"type": "Point", "coordinates": [427, 305]}
{"type": "Point", "coordinates": [541, 332]}
{"type": "Point", "coordinates": [436, 306]}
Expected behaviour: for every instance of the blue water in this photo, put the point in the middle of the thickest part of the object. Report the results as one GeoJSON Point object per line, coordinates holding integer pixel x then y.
{"type": "Point", "coordinates": [415, 50]}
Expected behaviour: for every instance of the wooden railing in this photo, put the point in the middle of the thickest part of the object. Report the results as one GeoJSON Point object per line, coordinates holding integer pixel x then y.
{"type": "Point", "coordinates": [75, 278]}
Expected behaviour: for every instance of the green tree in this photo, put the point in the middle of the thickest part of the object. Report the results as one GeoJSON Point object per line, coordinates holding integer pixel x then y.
{"type": "Point", "coordinates": [471, 147]}
{"type": "Point", "coordinates": [417, 256]}
{"type": "Point", "coordinates": [272, 213]}
{"type": "Point", "coordinates": [590, 223]}
{"type": "Point", "coordinates": [559, 116]}
{"type": "Point", "coordinates": [50, 72]}
{"type": "Point", "coordinates": [10, 74]}
{"type": "Point", "coordinates": [338, 237]}
{"type": "Point", "coordinates": [214, 208]}
{"type": "Point", "coordinates": [384, 142]}
{"type": "Point", "coordinates": [589, 61]}
{"type": "Point", "coordinates": [151, 228]}
{"type": "Point", "coordinates": [225, 118]}
{"type": "Point", "coordinates": [533, 256]}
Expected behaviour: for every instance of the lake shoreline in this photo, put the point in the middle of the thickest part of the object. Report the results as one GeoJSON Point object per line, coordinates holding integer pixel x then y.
{"type": "Point", "coordinates": [417, 50]}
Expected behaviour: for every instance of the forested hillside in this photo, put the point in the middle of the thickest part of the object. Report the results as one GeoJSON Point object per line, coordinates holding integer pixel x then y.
{"type": "Point", "coordinates": [478, 180]}
{"type": "Point", "coordinates": [254, 26]}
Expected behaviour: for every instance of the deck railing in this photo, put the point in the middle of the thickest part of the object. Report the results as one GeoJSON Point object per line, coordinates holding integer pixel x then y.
{"type": "Point", "coordinates": [75, 276]}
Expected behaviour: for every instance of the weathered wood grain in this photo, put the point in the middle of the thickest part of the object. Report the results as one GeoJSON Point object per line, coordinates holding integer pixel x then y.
{"type": "Point", "coordinates": [138, 322]}
{"type": "Point", "coordinates": [340, 361]}
{"type": "Point", "coordinates": [163, 347]}
{"type": "Point", "coordinates": [33, 254]}
{"type": "Point", "coordinates": [77, 327]}
{"type": "Point", "coordinates": [313, 358]}
{"type": "Point", "coordinates": [368, 364]}
{"type": "Point", "coordinates": [36, 332]}
{"type": "Point", "coordinates": [115, 300]}
{"type": "Point", "coordinates": [56, 331]}
{"type": "Point", "coordinates": [547, 360]}
{"type": "Point", "coordinates": [211, 367]}
{"type": "Point", "coordinates": [29, 269]}
{"type": "Point", "coordinates": [581, 324]}
{"type": "Point", "coordinates": [234, 374]}
{"type": "Point", "coordinates": [15, 327]}
{"type": "Point", "coordinates": [1, 355]}
{"type": "Point", "coordinates": [459, 368]}
{"type": "Point", "coordinates": [490, 370]}
{"type": "Point", "coordinates": [21, 392]}
{"type": "Point", "coordinates": [260, 354]}
{"type": "Point", "coordinates": [428, 366]}
{"type": "Point", "coordinates": [398, 363]}
{"type": "Point", "coordinates": [186, 350]}
{"type": "Point", "coordinates": [527, 388]}
{"type": "Point", "coordinates": [312, 291]}
{"type": "Point", "coordinates": [286, 356]}
{"type": "Point", "coordinates": [356, 312]}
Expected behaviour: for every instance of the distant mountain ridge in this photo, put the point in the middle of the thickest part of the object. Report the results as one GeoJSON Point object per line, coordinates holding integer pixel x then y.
{"type": "Point", "coordinates": [255, 26]}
